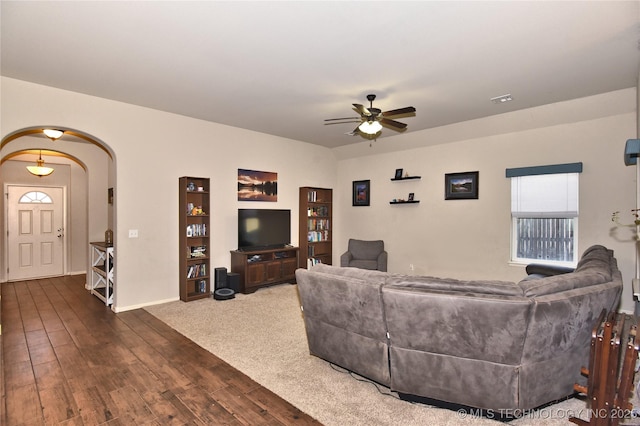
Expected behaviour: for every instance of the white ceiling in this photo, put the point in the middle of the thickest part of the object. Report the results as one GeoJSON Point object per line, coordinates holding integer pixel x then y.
{"type": "Point", "coordinates": [281, 67]}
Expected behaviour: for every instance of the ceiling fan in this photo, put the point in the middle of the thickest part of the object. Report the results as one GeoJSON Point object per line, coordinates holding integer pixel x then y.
{"type": "Point", "coordinates": [372, 119]}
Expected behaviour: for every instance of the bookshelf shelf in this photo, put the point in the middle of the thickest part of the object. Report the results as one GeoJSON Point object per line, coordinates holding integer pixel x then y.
{"type": "Point", "coordinates": [194, 218]}
{"type": "Point", "coordinates": [315, 227]}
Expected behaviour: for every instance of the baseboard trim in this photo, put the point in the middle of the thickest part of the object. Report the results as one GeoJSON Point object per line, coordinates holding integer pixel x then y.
{"type": "Point", "coordinates": [118, 309]}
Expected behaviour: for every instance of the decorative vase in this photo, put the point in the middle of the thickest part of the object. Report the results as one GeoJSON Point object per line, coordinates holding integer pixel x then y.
{"type": "Point", "coordinates": [108, 237]}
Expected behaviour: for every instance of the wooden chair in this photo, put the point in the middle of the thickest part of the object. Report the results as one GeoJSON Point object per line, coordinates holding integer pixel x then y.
{"type": "Point", "coordinates": [610, 375]}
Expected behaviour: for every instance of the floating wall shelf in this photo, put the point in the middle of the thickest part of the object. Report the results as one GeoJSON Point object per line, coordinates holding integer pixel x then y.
{"type": "Point", "coordinates": [407, 178]}
{"type": "Point", "coordinates": [404, 202]}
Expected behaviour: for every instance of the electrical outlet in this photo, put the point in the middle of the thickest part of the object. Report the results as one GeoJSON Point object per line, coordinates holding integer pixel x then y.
{"type": "Point", "coordinates": [411, 268]}
{"type": "Point", "coordinates": [133, 233]}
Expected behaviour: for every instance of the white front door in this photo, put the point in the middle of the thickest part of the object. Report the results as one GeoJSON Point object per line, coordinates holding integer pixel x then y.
{"type": "Point", "coordinates": [35, 222]}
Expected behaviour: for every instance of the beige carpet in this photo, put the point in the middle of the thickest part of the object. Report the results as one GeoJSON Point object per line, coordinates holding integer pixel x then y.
{"type": "Point", "coordinates": [262, 335]}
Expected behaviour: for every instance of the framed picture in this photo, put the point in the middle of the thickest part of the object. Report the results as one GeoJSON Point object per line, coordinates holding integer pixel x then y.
{"type": "Point", "coordinates": [254, 185]}
{"type": "Point", "coordinates": [411, 196]}
{"type": "Point", "coordinates": [398, 174]}
{"type": "Point", "coordinates": [361, 192]}
{"type": "Point", "coordinates": [461, 186]}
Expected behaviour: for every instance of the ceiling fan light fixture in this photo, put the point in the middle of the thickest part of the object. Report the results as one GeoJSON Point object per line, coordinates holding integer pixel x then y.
{"type": "Point", "coordinates": [53, 134]}
{"type": "Point", "coordinates": [370, 127]}
{"type": "Point", "coordinates": [40, 169]}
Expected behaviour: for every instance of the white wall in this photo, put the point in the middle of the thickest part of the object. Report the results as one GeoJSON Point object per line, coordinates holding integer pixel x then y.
{"type": "Point", "coordinates": [470, 239]}
{"type": "Point", "coordinates": [152, 149]}
{"type": "Point", "coordinates": [465, 239]}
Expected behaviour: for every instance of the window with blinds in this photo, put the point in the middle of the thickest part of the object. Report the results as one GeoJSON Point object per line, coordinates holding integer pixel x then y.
{"type": "Point", "coordinates": [544, 212]}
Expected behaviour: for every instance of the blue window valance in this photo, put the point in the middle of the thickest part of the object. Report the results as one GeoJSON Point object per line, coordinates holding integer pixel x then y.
{"type": "Point", "coordinates": [544, 170]}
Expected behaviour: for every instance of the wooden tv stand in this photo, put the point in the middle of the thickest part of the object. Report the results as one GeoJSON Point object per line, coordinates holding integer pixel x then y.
{"type": "Point", "coordinates": [261, 268]}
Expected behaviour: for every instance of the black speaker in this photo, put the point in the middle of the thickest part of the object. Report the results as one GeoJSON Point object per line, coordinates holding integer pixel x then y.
{"type": "Point", "coordinates": [233, 281]}
{"type": "Point", "coordinates": [220, 278]}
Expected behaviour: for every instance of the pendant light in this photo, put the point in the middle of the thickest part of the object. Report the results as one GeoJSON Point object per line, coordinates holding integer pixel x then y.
{"type": "Point", "coordinates": [53, 134]}
{"type": "Point", "coordinates": [40, 170]}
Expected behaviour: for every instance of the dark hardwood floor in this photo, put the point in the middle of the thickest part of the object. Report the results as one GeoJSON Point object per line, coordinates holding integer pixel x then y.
{"type": "Point", "coordinates": [68, 359]}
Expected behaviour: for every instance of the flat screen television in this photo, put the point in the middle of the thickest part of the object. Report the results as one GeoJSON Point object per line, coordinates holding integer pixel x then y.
{"type": "Point", "coordinates": [263, 229]}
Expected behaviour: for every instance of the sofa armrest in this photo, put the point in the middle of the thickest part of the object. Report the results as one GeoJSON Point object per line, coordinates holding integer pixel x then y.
{"type": "Point", "coordinates": [547, 270]}
{"type": "Point", "coordinates": [382, 261]}
{"type": "Point", "coordinates": [345, 259]}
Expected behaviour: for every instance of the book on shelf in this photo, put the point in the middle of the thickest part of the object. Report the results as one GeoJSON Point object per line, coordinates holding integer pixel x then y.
{"type": "Point", "coordinates": [312, 261]}
{"type": "Point", "coordinates": [318, 224]}
{"type": "Point", "coordinates": [197, 230]}
{"type": "Point", "coordinates": [318, 211]}
{"type": "Point", "coordinates": [315, 236]}
{"type": "Point", "coordinates": [199, 270]}
{"type": "Point", "coordinates": [197, 251]}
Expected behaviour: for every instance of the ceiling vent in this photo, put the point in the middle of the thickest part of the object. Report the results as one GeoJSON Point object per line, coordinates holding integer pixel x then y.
{"type": "Point", "coordinates": [502, 99]}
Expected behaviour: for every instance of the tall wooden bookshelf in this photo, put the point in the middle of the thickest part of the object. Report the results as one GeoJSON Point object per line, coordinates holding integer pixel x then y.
{"type": "Point", "coordinates": [316, 217]}
{"type": "Point", "coordinates": [195, 271]}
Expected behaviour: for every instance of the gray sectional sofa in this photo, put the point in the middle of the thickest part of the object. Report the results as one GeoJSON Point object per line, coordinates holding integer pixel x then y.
{"type": "Point", "coordinates": [492, 345]}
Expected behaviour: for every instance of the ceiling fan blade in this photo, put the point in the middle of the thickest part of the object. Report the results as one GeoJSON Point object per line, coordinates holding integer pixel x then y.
{"type": "Point", "coordinates": [399, 111]}
{"type": "Point", "coordinates": [343, 122]}
{"type": "Point", "coordinates": [354, 132]}
{"type": "Point", "coordinates": [344, 118]}
{"type": "Point", "coordinates": [362, 110]}
{"type": "Point", "coordinates": [395, 125]}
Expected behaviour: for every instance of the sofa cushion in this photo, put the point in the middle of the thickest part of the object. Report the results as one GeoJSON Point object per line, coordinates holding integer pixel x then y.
{"type": "Point", "coordinates": [596, 259]}
{"type": "Point", "coordinates": [363, 274]}
{"type": "Point", "coordinates": [490, 327]}
{"type": "Point", "coordinates": [556, 283]}
{"type": "Point", "coordinates": [594, 268]}
{"type": "Point", "coordinates": [364, 264]}
{"type": "Point", "coordinates": [505, 288]}
{"type": "Point", "coordinates": [365, 250]}
{"type": "Point", "coordinates": [350, 303]}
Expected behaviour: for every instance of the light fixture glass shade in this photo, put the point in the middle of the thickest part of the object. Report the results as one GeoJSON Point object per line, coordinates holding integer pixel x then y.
{"type": "Point", "coordinates": [370, 127]}
{"type": "Point", "coordinates": [53, 134]}
{"type": "Point", "coordinates": [40, 170]}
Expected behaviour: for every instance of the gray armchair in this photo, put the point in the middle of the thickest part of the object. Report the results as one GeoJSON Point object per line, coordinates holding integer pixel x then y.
{"type": "Point", "coordinates": [365, 255]}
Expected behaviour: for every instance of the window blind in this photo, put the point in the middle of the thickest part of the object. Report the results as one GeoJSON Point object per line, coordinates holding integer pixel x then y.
{"type": "Point", "coordinates": [545, 195]}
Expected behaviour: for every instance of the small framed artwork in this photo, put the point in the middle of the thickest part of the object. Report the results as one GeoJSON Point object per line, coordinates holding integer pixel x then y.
{"type": "Point", "coordinates": [461, 186]}
{"type": "Point", "coordinates": [361, 192]}
{"type": "Point", "coordinates": [110, 195]}
{"type": "Point", "coordinates": [398, 174]}
{"type": "Point", "coordinates": [411, 196]}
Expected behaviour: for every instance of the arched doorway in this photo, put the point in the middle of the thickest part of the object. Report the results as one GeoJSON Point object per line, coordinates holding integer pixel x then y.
{"type": "Point", "coordinates": [85, 165]}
